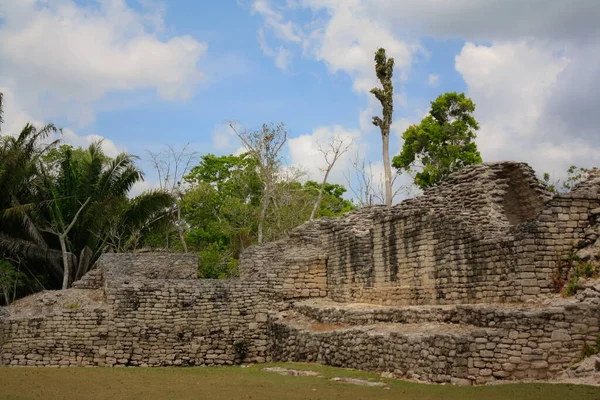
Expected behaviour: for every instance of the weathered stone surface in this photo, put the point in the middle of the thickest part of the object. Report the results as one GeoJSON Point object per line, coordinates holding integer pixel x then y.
{"type": "Point", "coordinates": [448, 287]}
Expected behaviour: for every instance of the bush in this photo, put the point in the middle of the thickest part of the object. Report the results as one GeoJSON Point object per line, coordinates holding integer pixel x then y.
{"type": "Point", "coordinates": [215, 262]}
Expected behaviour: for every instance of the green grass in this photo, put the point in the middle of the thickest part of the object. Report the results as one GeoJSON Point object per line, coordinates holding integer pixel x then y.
{"type": "Point", "coordinates": [249, 383]}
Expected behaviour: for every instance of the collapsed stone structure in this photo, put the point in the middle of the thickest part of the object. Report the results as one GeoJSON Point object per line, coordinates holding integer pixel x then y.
{"type": "Point", "coordinates": [452, 286]}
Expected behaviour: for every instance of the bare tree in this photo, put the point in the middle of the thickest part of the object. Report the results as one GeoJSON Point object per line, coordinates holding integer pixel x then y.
{"type": "Point", "coordinates": [384, 68]}
{"type": "Point", "coordinates": [361, 182]}
{"type": "Point", "coordinates": [369, 189]}
{"type": "Point", "coordinates": [290, 203]}
{"type": "Point", "coordinates": [171, 166]}
{"type": "Point", "coordinates": [264, 145]}
{"type": "Point", "coordinates": [332, 152]}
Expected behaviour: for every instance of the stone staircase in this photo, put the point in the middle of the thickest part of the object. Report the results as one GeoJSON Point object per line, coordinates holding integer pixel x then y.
{"type": "Point", "coordinates": [460, 344]}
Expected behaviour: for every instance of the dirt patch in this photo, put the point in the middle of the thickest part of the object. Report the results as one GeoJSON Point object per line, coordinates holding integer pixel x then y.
{"type": "Point", "coordinates": [51, 302]}
{"type": "Point", "coordinates": [359, 382]}
{"type": "Point", "coordinates": [290, 372]}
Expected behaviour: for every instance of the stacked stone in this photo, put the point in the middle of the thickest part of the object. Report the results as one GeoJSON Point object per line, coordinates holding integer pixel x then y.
{"type": "Point", "coordinates": [146, 320]}
{"type": "Point", "coordinates": [495, 343]}
{"type": "Point", "coordinates": [489, 234]}
{"type": "Point", "coordinates": [69, 337]}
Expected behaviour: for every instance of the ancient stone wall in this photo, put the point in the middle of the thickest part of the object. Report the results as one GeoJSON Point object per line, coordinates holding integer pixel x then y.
{"type": "Point", "coordinates": [475, 343]}
{"type": "Point", "coordinates": [490, 233]}
{"type": "Point", "coordinates": [452, 286]}
{"type": "Point", "coordinates": [142, 316]}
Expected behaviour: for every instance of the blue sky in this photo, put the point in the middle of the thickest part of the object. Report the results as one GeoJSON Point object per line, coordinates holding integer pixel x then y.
{"type": "Point", "coordinates": [146, 73]}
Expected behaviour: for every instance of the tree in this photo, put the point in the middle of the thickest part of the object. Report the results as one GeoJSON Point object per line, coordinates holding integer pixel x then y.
{"type": "Point", "coordinates": [222, 206]}
{"type": "Point", "coordinates": [89, 207]}
{"type": "Point", "coordinates": [332, 203]}
{"type": "Point", "coordinates": [369, 189]}
{"type": "Point", "coordinates": [172, 165]}
{"type": "Point", "coordinates": [334, 150]}
{"type": "Point", "coordinates": [384, 69]}
{"type": "Point", "coordinates": [11, 279]}
{"type": "Point", "coordinates": [264, 145]}
{"type": "Point", "coordinates": [442, 143]}
{"type": "Point", "coordinates": [1, 110]}
{"type": "Point", "coordinates": [575, 175]}
{"type": "Point", "coordinates": [23, 193]}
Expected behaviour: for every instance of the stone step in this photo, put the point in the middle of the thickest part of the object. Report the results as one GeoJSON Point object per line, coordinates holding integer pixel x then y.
{"type": "Point", "coordinates": [458, 344]}
{"type": "Point", "coordinates": [435, 352]}
{"type": "Point", "coordinates": [504, 315]}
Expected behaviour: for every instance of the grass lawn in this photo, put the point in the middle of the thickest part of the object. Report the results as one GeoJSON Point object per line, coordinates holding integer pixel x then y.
{"type": "Point", "coordinates": [250, 383]}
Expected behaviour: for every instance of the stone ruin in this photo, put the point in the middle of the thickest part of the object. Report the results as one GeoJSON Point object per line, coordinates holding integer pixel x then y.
{"type": "Point", "coordinates": [454, 286]}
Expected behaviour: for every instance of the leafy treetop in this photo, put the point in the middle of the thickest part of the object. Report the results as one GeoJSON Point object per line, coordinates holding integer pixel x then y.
{"type": "Point", "coordinates": [443, 142]}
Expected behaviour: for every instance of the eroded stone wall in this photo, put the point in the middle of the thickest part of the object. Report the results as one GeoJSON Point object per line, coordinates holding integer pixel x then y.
{"type": "Point", "coordinates": [143, 315]}
{"type": "Point", "coordinates": [476, 343]}
{"type": "Point", "coordinates": [490, 233]}
{"type": "Point", "coordinates": [433, 272]}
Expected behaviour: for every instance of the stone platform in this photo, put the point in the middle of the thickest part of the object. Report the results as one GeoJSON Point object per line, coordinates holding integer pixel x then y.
{"type": "Point", "coordinates": [455, 286]}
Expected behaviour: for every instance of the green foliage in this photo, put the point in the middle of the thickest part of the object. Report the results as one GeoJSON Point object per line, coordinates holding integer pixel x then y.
{"type": "Point", "coordinates": [443, 142]}
{"type": "Point", "coordinates": [11, 279]}
{"type": "Point", "coordinates": [81, 194]}
{"type": "Point", "coordinates": [590, 350]}
{"type": "Point", "coordinates": [241, 349]}
{"type": "Point", "coordinates": [572, 284]}
{"type": "Point", "coordinates": [570, 269]}
{"type": "Point", "coordinates": [384, 69]}
{"type": "Point", "coordinates": [215, 262]}
{"type": "Point", "coordinates": [72, 306]}
{"type": "Point", "coordinates": [575, 175]}
{"type": "Point", "coordinates": [223, 203]}
{"type": "Point", "coordinates": [332, 203]}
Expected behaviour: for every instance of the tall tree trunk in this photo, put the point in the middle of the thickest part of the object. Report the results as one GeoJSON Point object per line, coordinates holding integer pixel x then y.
{"type": "Point", "coordinates": [387, 169]}
{"type": "Point", "coordinates": [180, 230]}
{"type": "Point", "coordinates": [320, 196]}
{"type": "Point", "coordinates": [263, 211]}
{"type": "Point", "coordinates": [66, 264]}
{"type": "Point", "coordinates": [384, 69]}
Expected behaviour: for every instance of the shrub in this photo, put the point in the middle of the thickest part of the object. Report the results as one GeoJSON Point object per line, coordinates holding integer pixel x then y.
{"type": "Point", "coordinates": [241, 348]}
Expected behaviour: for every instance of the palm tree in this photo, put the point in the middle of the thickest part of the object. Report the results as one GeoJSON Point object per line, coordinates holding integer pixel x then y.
{"type": "Point", "coordinates": [62, 207]}
{"type": "Point", "coordinates": [20, 163]}
{"type": "Point", "coordinates": [90, 212]}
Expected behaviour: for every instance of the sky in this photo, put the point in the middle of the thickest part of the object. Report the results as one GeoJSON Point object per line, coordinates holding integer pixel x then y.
{"type": "Point", "coordinates": [143, 74]}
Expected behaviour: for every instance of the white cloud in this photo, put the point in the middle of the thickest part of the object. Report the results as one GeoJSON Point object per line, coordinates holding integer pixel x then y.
{"type": "Point", "coordinates": [483, 20]}
{"type": "Point", "coordinates": [399, 127]}
{"type": "Point", "coordinates": [282, 55]}
{"type": "Point", "coordinates": [536, 81]}
{"type": "Point", "coordinates": [345, 42]}
{"type": "Point", "coordinates": [513, 85]}
{"type": "Point", "coordinates": [141, 186]}
{"type": "Point", "coordinates": [287, 32]}
{"type": "Point", "coordinates": [304, 151]}
{"type": "Point", "coordinates": [224, 139]}
{"type": "Point", "coordinates": [433, 80]}
{"type": "Point", "coordinates": [16, 119]}
{"type": "Point", "coordinates": [61, 56]}
{"type": "Point", "coordinates": [349, 39]}
{"type": "Point", "coordinates": [108, 146]}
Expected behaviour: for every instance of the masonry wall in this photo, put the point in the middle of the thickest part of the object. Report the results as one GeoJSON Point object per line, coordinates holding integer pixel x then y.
{"type": "Point", "coordinates": [142, 321]}
{"type": "Point", "coordinates": [288, 269]}
{"type": "Point", "coordinates": [491, 233]}
{"type": "Point", "coordinates": [467, 342]}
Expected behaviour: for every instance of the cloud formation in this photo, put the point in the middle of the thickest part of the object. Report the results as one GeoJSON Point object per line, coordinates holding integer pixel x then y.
{"type": "Point", "coordinates": [60, 56]}
{"type": "Point", "coordinates": [532, 67]}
